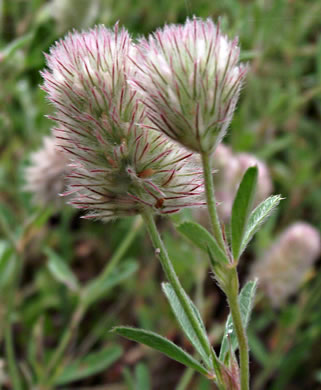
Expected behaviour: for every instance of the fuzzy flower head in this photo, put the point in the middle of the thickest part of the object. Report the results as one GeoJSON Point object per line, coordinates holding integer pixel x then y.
{"type": "Point", "coordinates": [189, 77]}
{"type": "Point", "coordinates": [282, 268]}
{"type": "Point", "coordinates": [119, 168]}
{"type": "Point", "coordinates": [45, 176]}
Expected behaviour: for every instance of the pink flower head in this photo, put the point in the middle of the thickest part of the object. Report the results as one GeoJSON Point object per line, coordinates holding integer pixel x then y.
{"type": "Point", "coordinates": [119, 168]}
{"type": "Point", "coordinates": [190, 79]}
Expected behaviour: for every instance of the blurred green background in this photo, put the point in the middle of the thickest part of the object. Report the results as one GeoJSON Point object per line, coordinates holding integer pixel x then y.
{"type": "Point", "coordinates": [278, 119]}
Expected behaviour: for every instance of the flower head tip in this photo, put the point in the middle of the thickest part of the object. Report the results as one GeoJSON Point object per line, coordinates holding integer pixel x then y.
{"type": "Point", "coordinates": [189, 77]}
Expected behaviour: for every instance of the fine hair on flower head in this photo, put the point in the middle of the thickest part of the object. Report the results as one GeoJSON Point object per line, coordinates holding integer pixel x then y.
{"type": "Point", "coordinates": [189, 78]}
{"type": "Point", "coordinates": [119, 167]}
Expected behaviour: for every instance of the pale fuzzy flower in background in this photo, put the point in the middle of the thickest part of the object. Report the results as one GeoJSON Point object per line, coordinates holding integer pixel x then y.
{"type": "Point", "coordinates": [226, 179]}
{"type": "Point", "coordinates": [265, 186]}
{"type": "Point", "coordinates": [229, 169]}
{"type": "Point", "coordinates": [232, 171]}
{"type": "Point", "coordinates": [189, 77]}
{"type": "Point", "coordinates": [45, 177]}
{"type": "Point", "coordinates": [70, 14]}
{"type": "Point", "coordinates": [119, 168]}
{"type": "Point", "coordinates": [282, 268]}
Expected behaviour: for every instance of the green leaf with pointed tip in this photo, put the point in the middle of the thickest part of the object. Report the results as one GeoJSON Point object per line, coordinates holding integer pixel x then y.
{"type": "Point", "coordinates": [203, 240]}
{"type": "Point", "coordinates": [60, 270]}
{"type": "Point", "coordinates": [98, 287]}
{"type": "Point", "coordinates": [161, 344]}
{"type": "Point", "coordinates": [258, 216]}
{"type": "Point", "coordinates": [89, 365]}
{"type": "Point", "coordinates": [246, 298]}
{"type": "Point", "coordinates": [241, 209]}
{"type": "Point", "coordinates": [184, 321]}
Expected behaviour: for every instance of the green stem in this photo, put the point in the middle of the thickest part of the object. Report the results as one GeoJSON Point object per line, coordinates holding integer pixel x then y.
{"type": "Point", "coordinates": [13, 368]}
{"type": "Point", "coordinates": [232, 290]}
{"type": "Point", "coordinates": [18, 246]}
{"type": "Point", "coordinates": [64, 342]}
{"type": "Point", "coordinates": [211, 201]}
{"type": "Point", "coordinates": [232, 297]}
{"type": "Point", "coordinates": [175, 283]}
{"type": "Point", "coordinates": [9, 346]}
{"type": "Point", "coordinates": [185, 379]}
{"type": "Point", "coordinates": [81, 309]}
{"type": "Point", "coordinates": [8, 336]}
{"type": "Point", "coordinates": [123, 247]}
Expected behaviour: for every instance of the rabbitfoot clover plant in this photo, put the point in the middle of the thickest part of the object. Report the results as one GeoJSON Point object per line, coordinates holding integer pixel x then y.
{"type": "Point", "coordinates": [139, 123]}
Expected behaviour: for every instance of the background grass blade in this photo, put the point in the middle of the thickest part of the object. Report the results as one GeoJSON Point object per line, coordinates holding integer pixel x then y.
{"type": "Point", "coordinates": [60, 270]}
{"type": "Point", "coordinates": [98, 287]}
{"type": "Point", "coordinates": [89, 365]}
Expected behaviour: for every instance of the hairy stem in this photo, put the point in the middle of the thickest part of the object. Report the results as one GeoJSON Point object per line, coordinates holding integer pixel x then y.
{"type": "Point", "coordinates": [211, 201]}
{"type": "Point", "coordinates": [180, 292]}
{"type": "Point", "coordinates": [232, 290]}
{"type": "Point", "coordinates": [232, 297]}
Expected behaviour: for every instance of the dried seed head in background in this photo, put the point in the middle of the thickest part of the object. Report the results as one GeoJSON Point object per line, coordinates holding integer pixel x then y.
{"type": "Point", "coordinates": [282, 268]}
{"type": "Point", "coordinates": [46, 175]}
{"type": "Point", "coordinates": [189, 77]}
{"type": "Point", "coordinates": [119, 168]}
